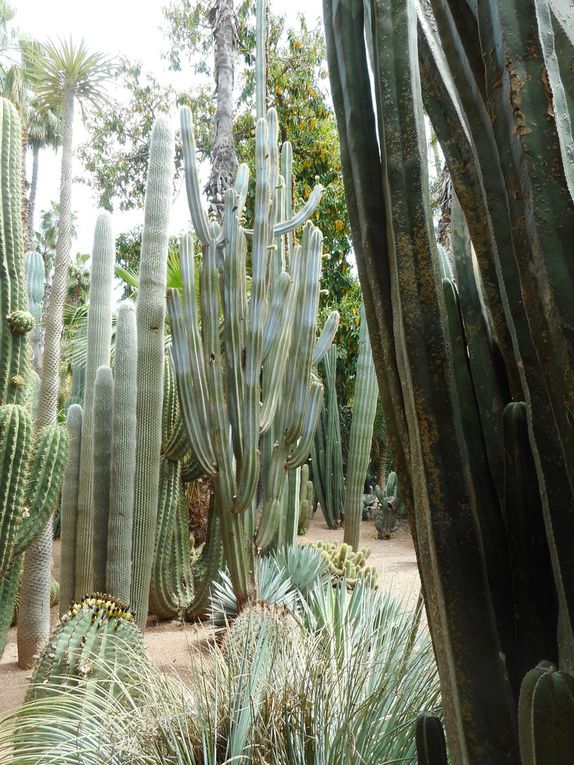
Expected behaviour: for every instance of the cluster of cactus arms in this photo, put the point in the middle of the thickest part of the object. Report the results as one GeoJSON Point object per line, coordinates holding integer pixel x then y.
{"type": "Point", "coordinates": [114, 478]}
{"type": "Point", "coordinates": [244, 360]}
{"type": "Point", "coordinates": [326, 454]}
{"type": "Point", "coordinates": [31, 462]}
{"type": "Point", "coordinates": [80, 649]}
{"type": "Point", "coordinates": [364, 410]}
{"type": "Point", "coordinates": [344, 562]}
{"type": "Point", "coordinates": [475, 367]}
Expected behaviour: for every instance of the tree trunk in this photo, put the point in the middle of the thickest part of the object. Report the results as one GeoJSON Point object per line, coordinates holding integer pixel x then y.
{"type": "Point", "coordinates": [224, 161]}
{"type": "Point", "coordinates": [32, 197]}
{"type": "Point", "coordinates": [34, 615]}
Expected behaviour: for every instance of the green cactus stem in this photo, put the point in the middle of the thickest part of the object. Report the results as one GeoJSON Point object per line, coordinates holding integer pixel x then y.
{"type": "Point", "coordinates": [101, 455]}
{"type": "Point", "coordinates": [431, 745]}
{"type": "Point", "coordinates": [69, 505]}
{"type": "Point", "coordinates": [326, 455]}
{"type": "Point", "coordinates": [123, 458]}
{"type": "Point", "coordinates": [98, 354]}
{"type": "Point", "coordinates": [364, 410]}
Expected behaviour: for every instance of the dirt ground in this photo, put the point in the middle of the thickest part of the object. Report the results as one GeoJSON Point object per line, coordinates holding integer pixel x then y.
{"type": "Point", "coordinates": [169, 643]}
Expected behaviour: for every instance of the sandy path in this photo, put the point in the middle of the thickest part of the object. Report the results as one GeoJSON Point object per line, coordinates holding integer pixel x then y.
{"type": "Point", "coordinates": [169, 643]}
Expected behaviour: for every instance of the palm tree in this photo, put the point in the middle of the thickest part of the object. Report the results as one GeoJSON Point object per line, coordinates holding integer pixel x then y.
{"type": "Point", "coordinates": [43, 129]}
{"type": "Point", "coordinates": [224, 158]}
{"type": "Point", "coordinates": [61, 74]}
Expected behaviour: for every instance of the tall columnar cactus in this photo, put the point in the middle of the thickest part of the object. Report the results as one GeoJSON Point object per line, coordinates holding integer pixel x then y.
{"type": "Point", "coordinates": [30, 465]}
{"type": "Point", "coordinates": [326, 455]}
{"type": "Point", "coordinates": [102, 452]}
{"type": "Point", "coordinates": [125, 426]}
{"type": "Point", "coordinates": [451, 356]}
{"type": "Point", "coordinates": [124, 435]}
{"type": "Point", "coordinates": [172, 580]}
{"type": "Point", "coordinates": [230, 397]}
{"type": "Point", "coordinates": [364, 410]}
{"type": "Point", "coordinates": [150, 312]}
{"type": "Point", "coordinates": [69, 508]}
{"type": "Point", "coordinates": [98, 354]}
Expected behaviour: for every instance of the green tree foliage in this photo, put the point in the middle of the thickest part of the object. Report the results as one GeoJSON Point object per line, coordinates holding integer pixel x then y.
{"type": "Point", "coordinates": [116, 154]}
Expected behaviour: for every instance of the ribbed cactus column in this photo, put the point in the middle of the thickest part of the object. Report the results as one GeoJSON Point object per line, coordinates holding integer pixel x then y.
{"type": "Point", "coordinates": [99, 343]}
{"type": "Point", "coordinates": [16, 322]}
{"type": "Point", "coordinates": [124, 435]}
{"type": "Point", "coordinates": [102, 452]}
{"type": "Point", "coordinates": [364, 410]}
{"type": "Point", "coordinates": [69, 508]}
{"type": "Point", "coordinates": [150, 313]}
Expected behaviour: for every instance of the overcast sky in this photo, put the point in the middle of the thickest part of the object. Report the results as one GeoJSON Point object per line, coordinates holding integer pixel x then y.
{"type": "Point", "coordinates": [126, 27]}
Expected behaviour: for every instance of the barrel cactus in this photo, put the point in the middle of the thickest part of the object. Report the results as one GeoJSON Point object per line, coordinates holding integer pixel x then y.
{"type": "Point", "coordinates": [91, 643]}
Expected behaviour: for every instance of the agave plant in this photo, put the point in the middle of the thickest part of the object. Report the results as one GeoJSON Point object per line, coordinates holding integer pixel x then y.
{"type": "Point", "coordinates": [285, 577]}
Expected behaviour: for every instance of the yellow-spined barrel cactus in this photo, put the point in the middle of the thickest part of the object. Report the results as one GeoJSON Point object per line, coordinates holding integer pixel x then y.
{"type": "Point", "coordinates": [94, 639]}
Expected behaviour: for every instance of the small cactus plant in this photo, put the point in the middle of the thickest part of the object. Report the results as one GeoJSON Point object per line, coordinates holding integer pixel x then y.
{"type": "Point", "coordinates": [344, 562]}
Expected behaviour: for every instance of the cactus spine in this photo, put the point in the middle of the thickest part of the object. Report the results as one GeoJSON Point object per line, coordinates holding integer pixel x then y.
{"type": "Point", "coordinates": [99, 342]}
{"type": "Point", "coordinates": [123, 459]}
{"type": "Point", "coordinates": [364, 410]}
{"type": "Point", "coordinates": [150, 312]}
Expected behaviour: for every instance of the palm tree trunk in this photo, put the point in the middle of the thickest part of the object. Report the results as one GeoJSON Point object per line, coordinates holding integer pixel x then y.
{"type": "Point", "coordinates": [32, 197]}
{"type": "Point", "coordinates": [34, 615]}
{"type": "Point", "coordinates": [224, 158]}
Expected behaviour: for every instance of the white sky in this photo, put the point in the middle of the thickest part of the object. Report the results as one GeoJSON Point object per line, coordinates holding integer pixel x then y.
{"type": "Point", "coordinates": [127, 27]}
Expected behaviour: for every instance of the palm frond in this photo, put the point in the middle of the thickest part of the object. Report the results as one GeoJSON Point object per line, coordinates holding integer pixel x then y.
{"type": "Point", "coordinates": [54, 67]}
